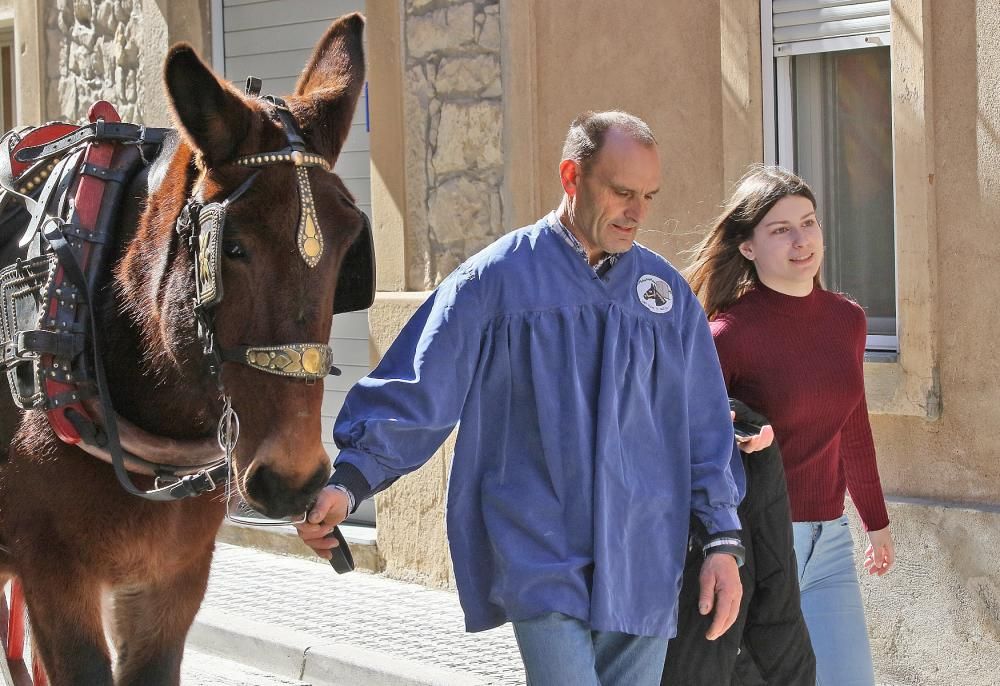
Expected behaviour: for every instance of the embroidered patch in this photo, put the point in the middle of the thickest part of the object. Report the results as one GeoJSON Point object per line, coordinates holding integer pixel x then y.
{"type": "Point", "coordinates": [654, 293]}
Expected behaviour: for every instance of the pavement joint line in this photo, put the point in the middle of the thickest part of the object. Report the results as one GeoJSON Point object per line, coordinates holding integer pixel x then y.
{"type": "Point", "coordinates": [294, 654]}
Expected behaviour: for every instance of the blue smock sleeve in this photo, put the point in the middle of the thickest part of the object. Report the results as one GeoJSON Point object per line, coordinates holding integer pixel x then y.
{"type": "Point", "coordinates": [394, 419]}
{"type": "Point", "coordinates": [718, 482]}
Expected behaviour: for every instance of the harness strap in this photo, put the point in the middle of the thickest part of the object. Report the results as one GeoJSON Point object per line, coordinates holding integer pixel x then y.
{"type": "Point", "coordinates": [100, 130]}
{"type": "Point", "coordinates": [39, 342]}
{"type": "Point", "coordinates": [292, 133]}
{"type": "Point", "coordinates": [17, 179]}
{"type": "Point", "coordinates": [55, 186]}
{"type": "Point", "coordinates": [177, 483]}
{"type": "Point", "coordinates": [7, 180]}
{"type": "Point", "coordinates": [184, 486]}
{"type": "Point", "coordinates": [105, 174]}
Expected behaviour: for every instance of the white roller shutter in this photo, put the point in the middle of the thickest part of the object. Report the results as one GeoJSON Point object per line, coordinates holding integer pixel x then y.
{"type": "Point", "coordinates": [273, 40]}
{"type": "Point", "coordinates": [797, 23]}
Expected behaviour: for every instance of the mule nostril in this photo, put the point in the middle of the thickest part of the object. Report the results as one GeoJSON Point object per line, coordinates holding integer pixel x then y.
{"type": "Point", "coordinates": [264, 488]}
{"type": "Point", "coordinates": [277, 496]}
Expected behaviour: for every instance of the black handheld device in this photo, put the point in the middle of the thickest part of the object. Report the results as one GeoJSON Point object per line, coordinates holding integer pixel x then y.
{"type": "Point", "coordinates": [745, 430]}
{"type": "Point", "coordinates": [341, 559]}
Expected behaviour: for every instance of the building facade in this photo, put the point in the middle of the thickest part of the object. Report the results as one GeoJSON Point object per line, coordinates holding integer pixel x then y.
{"type": "Point", "coordinates": [891, 109]}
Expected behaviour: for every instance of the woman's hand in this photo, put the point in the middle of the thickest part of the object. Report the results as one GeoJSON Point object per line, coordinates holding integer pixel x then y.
{"type": "Point", "coordinates": [754, 443]}
{"type": "Point", "coordinates": [881, 554]}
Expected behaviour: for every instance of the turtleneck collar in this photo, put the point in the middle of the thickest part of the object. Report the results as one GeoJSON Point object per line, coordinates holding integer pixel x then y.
{"type": "Point", "coordinates": [790, 304]}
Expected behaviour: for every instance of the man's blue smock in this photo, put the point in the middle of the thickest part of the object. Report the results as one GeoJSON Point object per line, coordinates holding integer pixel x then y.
{"type": "Point", "coordinates": [591, 428]}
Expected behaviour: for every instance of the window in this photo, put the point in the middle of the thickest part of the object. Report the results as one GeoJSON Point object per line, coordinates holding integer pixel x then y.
{"type": "Point", "coordinates": [7, 86]}
{"type": "Point", "coordinates": [828, 117]}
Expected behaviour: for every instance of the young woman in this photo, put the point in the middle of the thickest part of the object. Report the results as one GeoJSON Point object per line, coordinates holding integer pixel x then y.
{"type": "Point", "coordinates": [793, 351]}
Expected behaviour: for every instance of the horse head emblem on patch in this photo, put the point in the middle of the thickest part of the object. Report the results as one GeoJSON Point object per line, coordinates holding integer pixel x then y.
{"type": "Point", "coordinates": [654, 294]}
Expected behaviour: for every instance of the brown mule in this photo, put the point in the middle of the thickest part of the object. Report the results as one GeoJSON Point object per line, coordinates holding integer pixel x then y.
{"type": "Point", "coordinates": [67, 528]}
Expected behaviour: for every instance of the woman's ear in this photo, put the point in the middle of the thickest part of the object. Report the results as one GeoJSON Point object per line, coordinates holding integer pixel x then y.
{"type": "Point", "coordinates": [746, 250]}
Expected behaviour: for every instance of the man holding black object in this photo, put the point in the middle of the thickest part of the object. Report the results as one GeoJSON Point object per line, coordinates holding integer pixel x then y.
{"type": "Point", "coordinates": [594, 423]}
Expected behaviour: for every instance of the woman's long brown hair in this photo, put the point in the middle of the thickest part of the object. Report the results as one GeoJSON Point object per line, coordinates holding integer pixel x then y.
{"type": "Point", "coordinates": [719, 273]}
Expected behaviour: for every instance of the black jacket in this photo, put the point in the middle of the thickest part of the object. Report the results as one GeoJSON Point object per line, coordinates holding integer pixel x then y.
{"type": "Point", "coordinates": [769, 643]}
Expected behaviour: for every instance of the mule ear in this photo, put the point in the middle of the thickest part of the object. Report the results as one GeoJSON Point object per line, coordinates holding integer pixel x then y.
{"type": "Point", "coordinates": [331, 83]}
{"type": "Point", "coordinates": [211, 113]}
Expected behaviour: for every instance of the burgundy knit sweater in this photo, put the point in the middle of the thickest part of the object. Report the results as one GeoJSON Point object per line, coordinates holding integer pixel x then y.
{"type": "Point", "coordinates": [798, 361]}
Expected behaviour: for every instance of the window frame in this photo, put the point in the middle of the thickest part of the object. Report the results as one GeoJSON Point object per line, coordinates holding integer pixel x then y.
{"type": "Point", "coordinates": [779, 131]}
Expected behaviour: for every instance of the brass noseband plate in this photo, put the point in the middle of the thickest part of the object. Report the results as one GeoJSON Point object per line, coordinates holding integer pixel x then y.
{"type": "Point", "coordinates": [299, 360]}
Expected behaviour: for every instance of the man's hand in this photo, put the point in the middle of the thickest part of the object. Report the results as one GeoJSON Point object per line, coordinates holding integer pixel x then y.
{"type": "Point", "coordinates": [720, 588]}
{"type": "Point", "coordinates": [762, 440]}
{"type": "Point", "coordinates": [329, 511]}
{"type": "Point", "coordinates": [881, 554]}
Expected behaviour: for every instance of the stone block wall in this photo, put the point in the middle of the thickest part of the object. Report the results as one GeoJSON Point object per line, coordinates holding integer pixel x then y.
{"type": "Point", "coordinates": [453, 116]}
{"type": "Point", "coordinates": [92, 53]}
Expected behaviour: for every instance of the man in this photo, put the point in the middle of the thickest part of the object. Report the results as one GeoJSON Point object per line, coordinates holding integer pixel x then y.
{"type": "Point", "coordinates": [594, 422]}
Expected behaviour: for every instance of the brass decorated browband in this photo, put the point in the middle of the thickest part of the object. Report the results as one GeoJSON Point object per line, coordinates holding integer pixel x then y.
{"type": "Point", "coordinates": [308, 236]}
{"type": "Point", "coordinates": [310, 361]}
{"type": "Point", "coordinates": [299, 159]}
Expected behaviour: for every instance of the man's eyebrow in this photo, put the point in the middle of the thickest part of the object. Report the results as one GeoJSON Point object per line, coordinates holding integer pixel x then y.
{"type": "Point", "coordinates": [619, 189]}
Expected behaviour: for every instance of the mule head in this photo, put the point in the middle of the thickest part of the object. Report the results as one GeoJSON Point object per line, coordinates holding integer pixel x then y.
{"type": "Point", "coordinates": [278, 271]}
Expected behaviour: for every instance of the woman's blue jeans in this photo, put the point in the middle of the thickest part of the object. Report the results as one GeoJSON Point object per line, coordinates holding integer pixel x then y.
{"type": "Point", "coordinates": [558, 650]}
{"type": "Point", "coordinates": [831, 603]}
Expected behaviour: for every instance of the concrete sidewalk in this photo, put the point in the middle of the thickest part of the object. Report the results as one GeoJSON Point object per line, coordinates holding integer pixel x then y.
{"type": "Point", "coordinates": [296, 618]}
{"type": "Point", "coordinates": [292, 616]}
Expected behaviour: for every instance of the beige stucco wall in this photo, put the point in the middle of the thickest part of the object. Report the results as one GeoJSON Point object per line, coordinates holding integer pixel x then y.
{"type": "Point", "coordinates": [956, 457]}
{"type": "Point", "coordinates": [661, 63]}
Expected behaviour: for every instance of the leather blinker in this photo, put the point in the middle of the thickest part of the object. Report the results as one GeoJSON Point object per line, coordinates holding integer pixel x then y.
{"type": "Point", "coordinates": [210, 222]}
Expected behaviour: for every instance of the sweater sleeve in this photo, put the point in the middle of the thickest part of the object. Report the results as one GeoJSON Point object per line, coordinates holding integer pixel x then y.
{"type": "Point", "coordinates": [394, 419]}
{"type": "Point", "coordinates": [717, 478]}
{"type": "Point", "coordinates": [857, 455]}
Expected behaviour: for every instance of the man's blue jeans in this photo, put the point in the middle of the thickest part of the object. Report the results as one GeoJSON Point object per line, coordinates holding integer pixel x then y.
{"type": "Point", "coordinates": [558, 650]}
{"type": "Point", "coordinates": [831, 603]}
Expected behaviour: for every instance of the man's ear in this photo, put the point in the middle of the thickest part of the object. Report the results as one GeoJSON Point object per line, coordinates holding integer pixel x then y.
{"type": "Point", "coordinates": [569, 176]}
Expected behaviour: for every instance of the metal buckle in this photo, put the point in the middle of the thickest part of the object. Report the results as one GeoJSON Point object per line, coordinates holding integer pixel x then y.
{"type": "Point", "coordinates": [205, 475]}
{"type": "Point", "coordinates": [14, 352]}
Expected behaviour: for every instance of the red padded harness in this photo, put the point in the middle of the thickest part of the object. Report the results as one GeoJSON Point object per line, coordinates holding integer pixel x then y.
{"type": "Point", "coordinates": [88, 196]}
{"type": "Point", "coordinates": [84, 225]}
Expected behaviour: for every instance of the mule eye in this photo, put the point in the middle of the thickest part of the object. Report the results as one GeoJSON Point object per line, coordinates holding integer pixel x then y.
{"type": "Point", "coordinates": [234, 249]}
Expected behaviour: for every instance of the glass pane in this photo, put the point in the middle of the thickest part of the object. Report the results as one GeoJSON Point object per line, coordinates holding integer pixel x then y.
{"type": "Point", "coordinates": [843, 148]}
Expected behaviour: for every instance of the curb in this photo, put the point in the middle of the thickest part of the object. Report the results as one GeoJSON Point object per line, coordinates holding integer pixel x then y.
{"type": "Point", "coordinates": [296, 655]}
{"type": "Point", "coordinates": [284, 541]}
